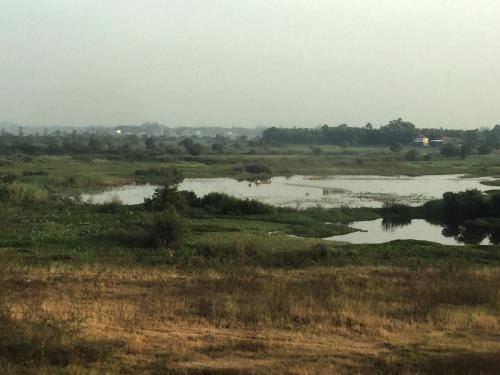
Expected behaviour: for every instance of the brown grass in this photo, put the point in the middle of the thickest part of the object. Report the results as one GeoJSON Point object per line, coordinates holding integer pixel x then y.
{"type": "Point", "coordinates": [309, 321]}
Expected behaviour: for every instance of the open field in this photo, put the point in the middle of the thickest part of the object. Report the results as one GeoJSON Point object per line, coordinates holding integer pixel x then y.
{"type": "Point", "coordinates": [246, 320]}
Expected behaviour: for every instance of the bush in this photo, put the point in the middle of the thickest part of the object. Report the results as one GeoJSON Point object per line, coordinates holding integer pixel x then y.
{"type": "Point", "coordinates": [398, 147]}
{"type": "Point", "coordinates": [450, 150]}
{"type": "Point", "coordinates": [112, 206]}
{"type": "Point", "coordinates": [167, 227]}
{"type": "Point", "coordinates": [391, 209]}
{"type": "Point", "coordinates": [465, 205]}
{"type": "Point", "coordinates": [218, 148]}
{"type": "Point", "coordinates": [46, 346]}
{"type": "Point", "coordinates": [461, 206]}
{"type": "Point", "coordinates": [316, 150]}
{"type": "Point", "coordinates": [258, 169]}
{"type": "Point", "coordinates": [223, 204]}
{"type": "Point", "coordinates": [412, 155]}
{"type": "Point", "coordinates": [25, 195]}
{"type": "Point", "coordinates": [169, 196]}
{"type": "Point", "coordinates": [192, 148]}
{"type": "Point", "coordinates": [9, 178]}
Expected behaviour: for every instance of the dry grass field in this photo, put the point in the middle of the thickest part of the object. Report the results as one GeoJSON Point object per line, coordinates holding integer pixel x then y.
{"type": "Point", "coordinates": [317, 320]}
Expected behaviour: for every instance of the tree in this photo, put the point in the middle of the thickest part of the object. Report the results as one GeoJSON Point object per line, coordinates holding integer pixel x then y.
{"type": "Point", "coordinates": [150, 143]}
{"type": "Point", "coordinates": [95, 144]}
{"type": "Point", "coordinates": [167, 227]}
{"type": "Point", "coordinates": [194, 149]}
{"type": "Point", "coordinates": [450, 150]}
{"type": "Point", "coordinates": [166, 196]}
{"type": "Point", "coordinates": [465, 150]}
{"type": "Point", "coordinates": [484, 149]}
{"type": "Point", "coordinates": [218, 148]}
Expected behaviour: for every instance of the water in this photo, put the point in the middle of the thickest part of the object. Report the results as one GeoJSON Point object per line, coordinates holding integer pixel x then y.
{"type": "Point", "coordinates": [310, 191]}
{"type": "Point", "coordinates": [128, 194]}
{"type": "Point", "coordinates": [380, 231]}
{"type": "Point", "coordinates": [337, 191]}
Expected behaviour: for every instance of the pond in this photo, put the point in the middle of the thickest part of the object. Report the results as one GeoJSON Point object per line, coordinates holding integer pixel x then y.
{"type": "Point", "coordinates": [380, 231]}
{"type": "Point", "coordinates": [310, 191]}
{"type": "Point", "coordinates": [337, 191]}
{"type": "Point", "coordinates": [128, 194]}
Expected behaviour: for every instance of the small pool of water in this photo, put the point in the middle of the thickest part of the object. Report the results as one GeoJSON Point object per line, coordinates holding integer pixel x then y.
{"type": "Point", "coordinates": [310, 191]}
{"type": "Point", "coordinates": [128, 194]}
{"type": "Point", "coordinates": [379, 231]}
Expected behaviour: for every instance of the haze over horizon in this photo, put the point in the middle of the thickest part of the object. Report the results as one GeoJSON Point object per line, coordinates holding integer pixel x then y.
{"type": "Point", "coordinates": [260, 63]}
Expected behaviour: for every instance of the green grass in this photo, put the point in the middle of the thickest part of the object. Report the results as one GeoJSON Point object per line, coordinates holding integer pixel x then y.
{"type": "Point", "coordinates": [64, 173]}
{"type": "Point", "coordinates": [83, 234]}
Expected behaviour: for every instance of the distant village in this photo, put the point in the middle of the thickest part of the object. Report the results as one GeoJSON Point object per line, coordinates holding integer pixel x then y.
{"type": "Point", "coordinates": [424, 141]}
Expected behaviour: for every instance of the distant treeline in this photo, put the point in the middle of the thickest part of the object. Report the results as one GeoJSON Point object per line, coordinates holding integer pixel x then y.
{"type": "Point", "coordinates": [130, 146]}
{"type": "Point", "coordinates": [145, 129]}
{"type": "Point", "coordinates": [395, 132]}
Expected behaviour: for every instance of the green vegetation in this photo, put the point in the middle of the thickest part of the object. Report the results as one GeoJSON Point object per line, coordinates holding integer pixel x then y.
{"type": "Point", "coordinates": [394, 134]}
{"type": "Point", "coordinates": [214, 284]}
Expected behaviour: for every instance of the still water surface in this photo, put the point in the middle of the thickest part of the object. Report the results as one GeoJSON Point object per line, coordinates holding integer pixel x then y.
{"type": "Point", "coordinates": [378, 231]}
{"type": "Point", "coordinates": [310, 191]}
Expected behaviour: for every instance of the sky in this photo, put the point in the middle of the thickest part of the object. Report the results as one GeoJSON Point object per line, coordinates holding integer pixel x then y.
{"type": "Point", "coordinates": [250, 62]}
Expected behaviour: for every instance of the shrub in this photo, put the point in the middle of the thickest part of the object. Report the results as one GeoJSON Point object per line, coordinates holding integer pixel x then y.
{"type": "Point", "coordinates": [316, 150]}
{"type": "Point", "coordinates": [112, 206]}
{"type": "Point", "coordinates": [465, 205]}
{"type": "Point", "coordinates": [397, 147]}
{"type": "Point", "coordinates": [68, 200]}
{"type": "Point", "coordinates": [395, 209]}
{"type": "Point", "coordinates": [172, 175]}
{"type": "Point", "coordinates": [9, 178]}
{"type": "Point", "coordinates": [192, 148]}
{"type": "Point", "coordinates": [48, 344]}
{"type": "Point", "coordinates": [461, 206]}
{"type": "Point", "coordinates": [167, 227]}
{"type": "Point", "coordinates": [223, 204]}
{"type": "Point", "coordinates": [169, 196]}
{"type": "Point", "coordinates": [412, 155]}
{"type": "Point", "coordinates": [25, 195]}
{"type": "Point", "coordinates": [258, 169]}
{"type": "Point", "coordinates": [450, 150]}
{"type": "Point", "coordinates": [218, 148]}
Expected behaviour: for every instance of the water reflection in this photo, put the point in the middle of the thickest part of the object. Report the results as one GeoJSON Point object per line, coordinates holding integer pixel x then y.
{"type": "Point", "coordinates": [472, 235]}
{"type": "Point", "coordinates": [391, 224]}
{"type": "Point", "coordinates": [386, 230]}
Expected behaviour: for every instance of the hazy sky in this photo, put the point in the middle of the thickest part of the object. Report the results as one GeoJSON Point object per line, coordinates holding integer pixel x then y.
{"type": "Point", "coordinates": [250, 62]}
